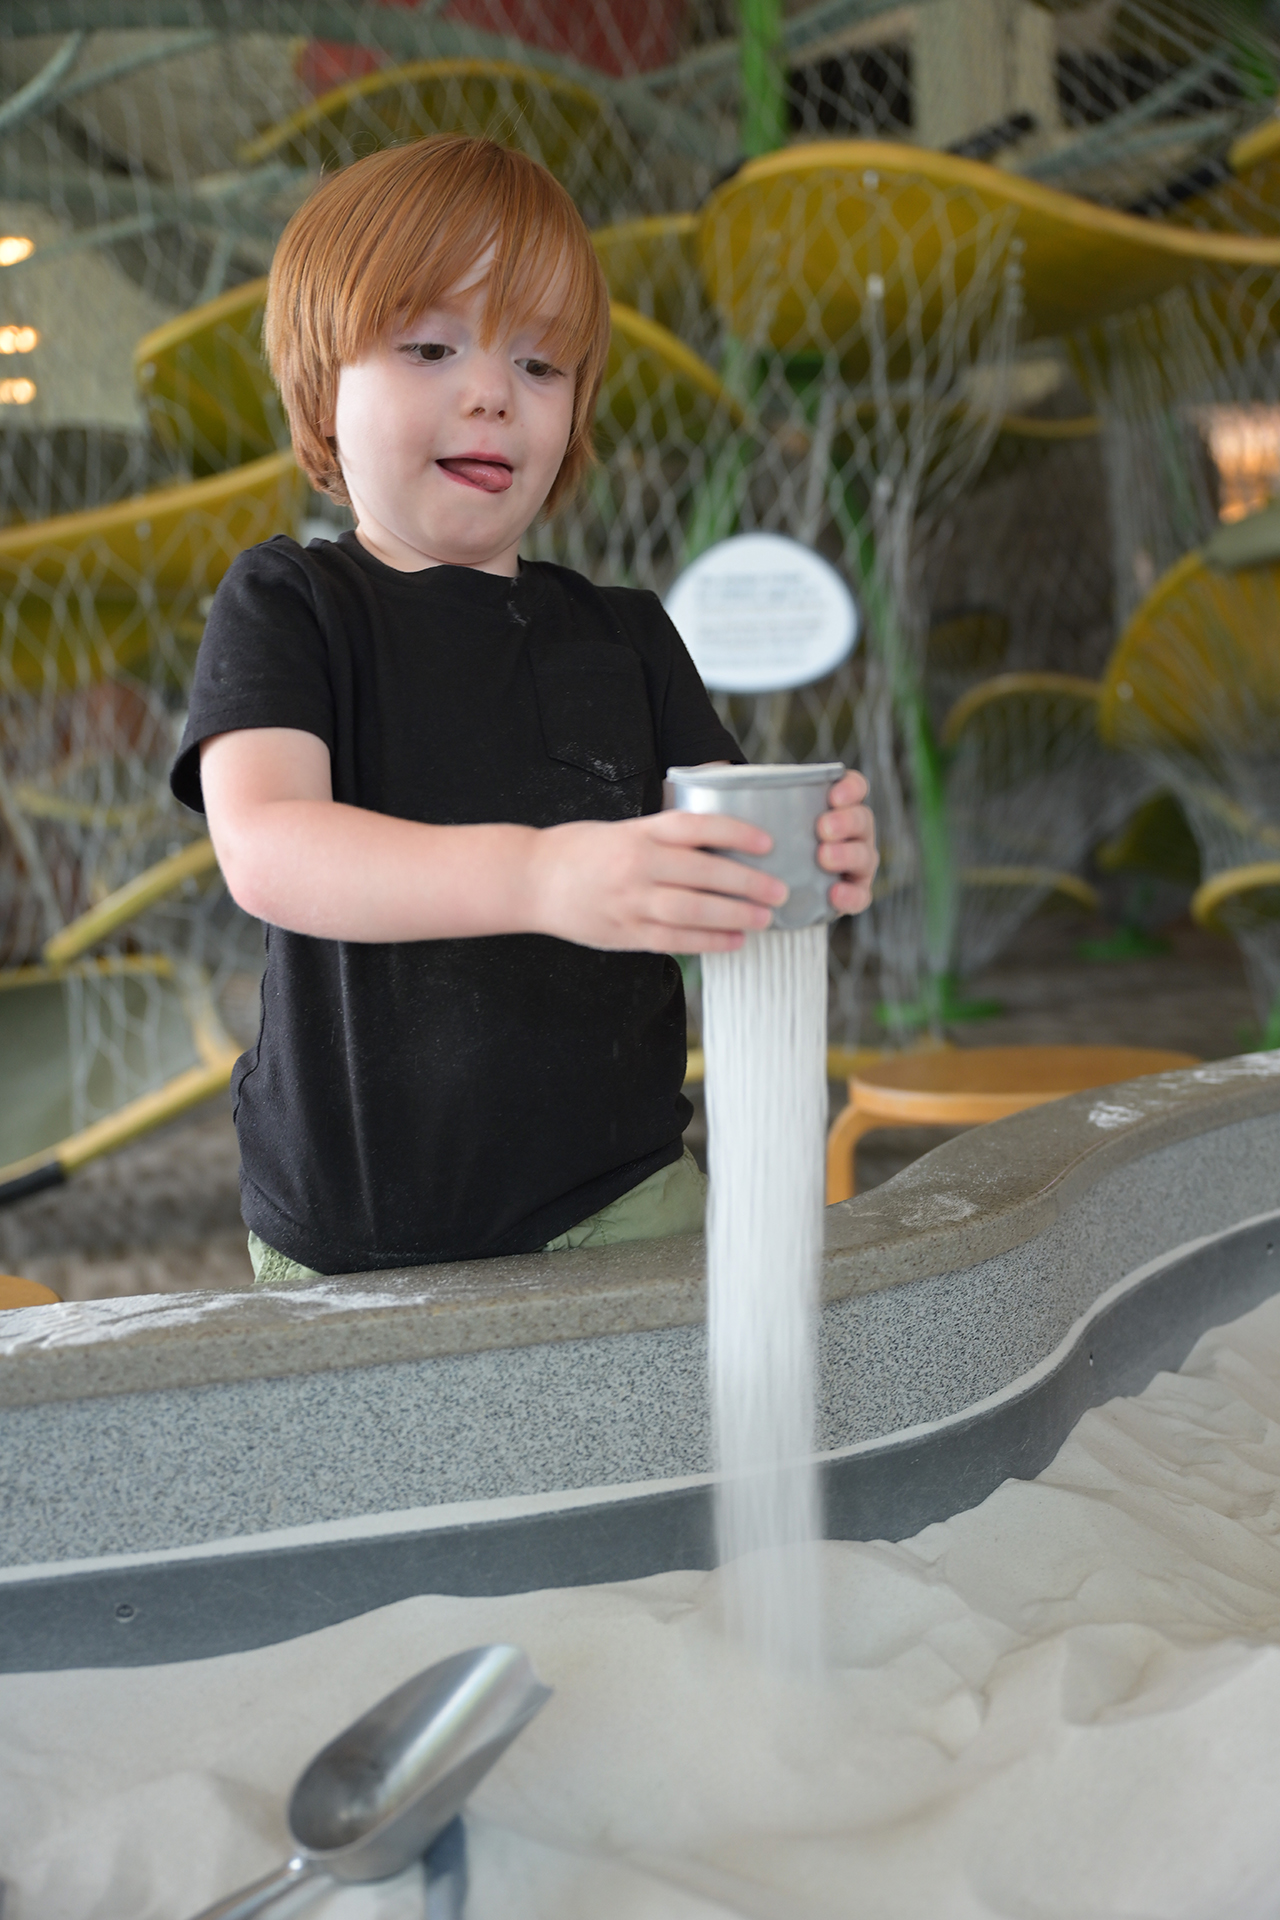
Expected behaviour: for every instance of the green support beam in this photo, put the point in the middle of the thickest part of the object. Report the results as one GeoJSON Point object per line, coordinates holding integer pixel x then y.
{"type": "Point", "coordinates": [764, 78]}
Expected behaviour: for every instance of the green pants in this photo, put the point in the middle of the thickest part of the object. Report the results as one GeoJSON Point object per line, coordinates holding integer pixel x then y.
{"type": "Point", "coordinates": [673, 1200]}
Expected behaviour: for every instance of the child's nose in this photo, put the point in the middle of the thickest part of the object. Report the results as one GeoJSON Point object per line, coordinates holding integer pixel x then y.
{"type": "Point", "coordinates": [489, 391]}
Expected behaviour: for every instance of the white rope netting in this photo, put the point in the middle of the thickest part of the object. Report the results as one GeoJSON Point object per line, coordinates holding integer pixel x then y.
{"type": "Point", "coordinates": [818, 345]}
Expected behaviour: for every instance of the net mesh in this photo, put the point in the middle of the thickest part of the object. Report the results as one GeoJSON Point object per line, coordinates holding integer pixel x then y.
{"type": "Point", "coordinates": [823, 343]}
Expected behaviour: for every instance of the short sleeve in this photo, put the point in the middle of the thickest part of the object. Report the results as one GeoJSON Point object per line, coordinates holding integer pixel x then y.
{"type": "Point", "coordinates": [262, 662]}
{"type": "Point", "coordinates": [688, 729]}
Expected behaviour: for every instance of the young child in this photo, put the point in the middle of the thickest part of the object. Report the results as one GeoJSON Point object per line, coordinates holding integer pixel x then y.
{"type": "Point", "coordinates": [435, 770]}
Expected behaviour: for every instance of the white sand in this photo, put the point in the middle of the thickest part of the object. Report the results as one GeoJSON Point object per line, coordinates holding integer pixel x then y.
{"type": "Point", "coordinates": [1064, 1705]}
{"type": "Point", "coordinates": [764, 1025]}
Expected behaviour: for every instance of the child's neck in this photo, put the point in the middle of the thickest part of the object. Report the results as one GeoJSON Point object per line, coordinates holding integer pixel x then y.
{"type": "Point", "coordinates": [398, 554]}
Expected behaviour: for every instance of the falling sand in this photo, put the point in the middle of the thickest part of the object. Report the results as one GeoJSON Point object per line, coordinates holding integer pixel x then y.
{"type": "Point", "coordinates": [765, 1035]}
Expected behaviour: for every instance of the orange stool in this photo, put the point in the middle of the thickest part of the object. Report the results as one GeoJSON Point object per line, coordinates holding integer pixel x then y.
{"type": "Point", "coordinates": [967, 1086]}
{"type": "Point", "coordinates": [25, 1293]}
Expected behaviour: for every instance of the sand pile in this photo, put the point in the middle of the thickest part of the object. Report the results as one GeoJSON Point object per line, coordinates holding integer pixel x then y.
{"type": "Point", "coordinates": [1064, 1705]}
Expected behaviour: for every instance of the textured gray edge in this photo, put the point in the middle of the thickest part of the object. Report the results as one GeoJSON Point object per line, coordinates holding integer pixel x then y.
{"type": "Point", "coordinates": [191, 1603]}
{"type": "Point", "coordinates": [161, 1469]}
{"type": "Point", "coordinates": [993, 1189]}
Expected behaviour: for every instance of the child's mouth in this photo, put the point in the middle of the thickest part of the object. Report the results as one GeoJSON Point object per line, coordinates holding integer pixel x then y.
{"type": "Point", "coordinates": [477, 470]}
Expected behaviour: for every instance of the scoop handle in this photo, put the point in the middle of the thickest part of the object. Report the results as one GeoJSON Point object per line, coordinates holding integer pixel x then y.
{"type": "Point", "coordinates": [264, 1893]}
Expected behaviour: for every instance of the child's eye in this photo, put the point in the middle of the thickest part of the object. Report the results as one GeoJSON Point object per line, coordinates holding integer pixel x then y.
{"type": "Point", "coordinates": [539, 369]}
{"type": "Point", "coordinates": [428, 350]}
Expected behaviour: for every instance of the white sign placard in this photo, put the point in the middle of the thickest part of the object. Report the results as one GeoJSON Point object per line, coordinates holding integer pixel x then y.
{"type": "Point", "coordinates": [760, 613]}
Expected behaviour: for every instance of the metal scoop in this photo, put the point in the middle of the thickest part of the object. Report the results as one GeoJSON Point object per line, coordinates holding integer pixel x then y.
{"type": "Point", "coordinates": [373, 1801]}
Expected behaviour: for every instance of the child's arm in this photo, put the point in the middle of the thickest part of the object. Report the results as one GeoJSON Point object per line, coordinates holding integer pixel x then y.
{"type": "Point", "coordinates": [293, 856]}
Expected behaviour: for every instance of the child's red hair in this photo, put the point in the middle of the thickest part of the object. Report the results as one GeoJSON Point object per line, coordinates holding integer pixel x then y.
{"type": "Point", "coordinates": [392, 235]}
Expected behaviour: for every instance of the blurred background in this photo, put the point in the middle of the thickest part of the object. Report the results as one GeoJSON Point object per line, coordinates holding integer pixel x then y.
{"type": "Point", "coordinates": [979, 299]}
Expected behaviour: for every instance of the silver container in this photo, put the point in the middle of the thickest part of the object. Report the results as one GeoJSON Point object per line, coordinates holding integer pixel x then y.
{"type": "Point", "coordinates": [787, 802]}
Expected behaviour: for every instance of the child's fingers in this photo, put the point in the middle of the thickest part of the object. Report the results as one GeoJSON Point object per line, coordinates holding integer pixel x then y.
{"type": "Point", "coordinates": [719, 830]}
{"type": "Point", "coordinates": [849, 791]}
{"type": "Point", "coordinates": [694, 940]}
{"type": "Point", "coordinates": [851, 896]}
{"type": "Point", "coordinates": [856, 857]}
{"type": "Point", "coordinates": [696, 872]}
{"type": "Point", "coordinates": [678, 914]}
{"type": "Point", "coordinates": [847, 823]}
{"type": "Point", "coordinates": [703, 903]}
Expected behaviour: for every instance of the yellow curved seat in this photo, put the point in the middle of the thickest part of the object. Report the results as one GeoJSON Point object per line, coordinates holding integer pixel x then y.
{"type": "Point", "coordinates": [555, 120]}
{"type": "Point", "coordinates": [1240, 898]}
{"type": "Point", "coordinates": [1024, 792]}
{"type": "Point", "coordinates": [1035, 880]}
{"type": "Point", "coordinates": [159, 1044]}
{"type": "Point", "coordinates": [205, 385]}
{"type": "Point", "coordinates": [195, 861]}
{"type": "Point", "coordinates": [1013, 696]}
{"type": "Point", "coordinates": [87, 594]}
{"type": "Point", "coordinates": [1030, 426]}
{"type": "Point", "coordinates": [1242, 202]}
{"type": "Point", "coordinates": [1197, 669]}
{"type": "Point", "coordinates": [652, 266]}
{"type": "Point", "coordinates": [658, 388]}
{"type": "Point", "coordinates": [1155, 840]}
{"type": "Point", "coordinates": [790, 245]}
{"type": "Point", "coordinates": [159, 1038]}
{"type": "Point", "coordinates": [1244, 902]}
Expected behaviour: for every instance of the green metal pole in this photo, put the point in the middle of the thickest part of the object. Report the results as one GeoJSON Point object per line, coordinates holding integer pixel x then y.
{"type": "Point", "coordinates": [928, 776]}
{"type": "Point", "coordinates": [764, 79]}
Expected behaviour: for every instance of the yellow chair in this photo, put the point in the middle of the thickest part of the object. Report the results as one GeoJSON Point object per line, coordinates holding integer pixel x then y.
{"type": "Point", "coordinates": [559, 122]}
{"type": "Point", "coordinates": [1242, 896]}
{"type": "Point", "coordinates": [968, 1086]}
{"type": "Point", "coordinates": [1154, 841]}
{"type": "Point", "coordinates": [1193, 687]}
{"type": "Point", "coordinates": [154, 1023]}
{"type": "Point", "coordinates": [656, 390]}
{"type": "Point", "coordinates": [1242, 202]}
{"type": "Point", "coordinates": [1245, 903]}
{"type": "Point", "coordinates": [205, 385]}
{"type": "Point", "coordinates": [651, 265]}
{"type": "Point", "coordinates": [16, 1293]}
{"type": "Point", "coordinates": [90, 594]}
{"type": "Point", "coordinates": [1039, 880]}
{"type": "Point", "coordinates": [1019, 724]}
{"type": "Point", "coordinates": [1030, 789]}
{"type": "Point", "coordinates": [794, 244]}
{"type": "Point", "coordinates": [1197, 670]}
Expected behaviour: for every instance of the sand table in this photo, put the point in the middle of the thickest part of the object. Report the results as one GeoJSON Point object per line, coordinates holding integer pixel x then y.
{"type": "Point", "coordinates": [1064, 1705]}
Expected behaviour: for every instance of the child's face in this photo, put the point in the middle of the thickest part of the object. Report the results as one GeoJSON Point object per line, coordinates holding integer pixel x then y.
{"type": "Point", "coordinates": [449, 448]}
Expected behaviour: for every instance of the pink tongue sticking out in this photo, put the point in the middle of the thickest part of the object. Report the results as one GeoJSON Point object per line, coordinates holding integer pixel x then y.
{"type": "Point", "coordinates": [487, 474]}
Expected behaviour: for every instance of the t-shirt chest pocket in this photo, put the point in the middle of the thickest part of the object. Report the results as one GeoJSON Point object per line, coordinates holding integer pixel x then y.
{"type": "Point", "coordinates": [594, 707]}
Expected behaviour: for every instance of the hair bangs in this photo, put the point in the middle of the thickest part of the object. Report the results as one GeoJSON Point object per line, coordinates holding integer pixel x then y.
{"type": "Point", "coordinates": [540, 278]}
{"type": "Point", "coordinates": [398, 233]}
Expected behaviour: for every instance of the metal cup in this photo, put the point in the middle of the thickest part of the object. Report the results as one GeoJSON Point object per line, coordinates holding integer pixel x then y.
{"type": "Point", "coordinates": [786, 801]}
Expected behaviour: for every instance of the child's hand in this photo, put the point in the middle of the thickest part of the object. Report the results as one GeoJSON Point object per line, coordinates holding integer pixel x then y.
{"type": "Point", "coordinates": [847, 837]}
{"type": "Point", "coordinates": [647, 885]}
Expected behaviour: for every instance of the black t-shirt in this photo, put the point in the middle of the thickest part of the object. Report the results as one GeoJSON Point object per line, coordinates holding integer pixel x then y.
{"type": "Point", "coordinates": [449, 1099]}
